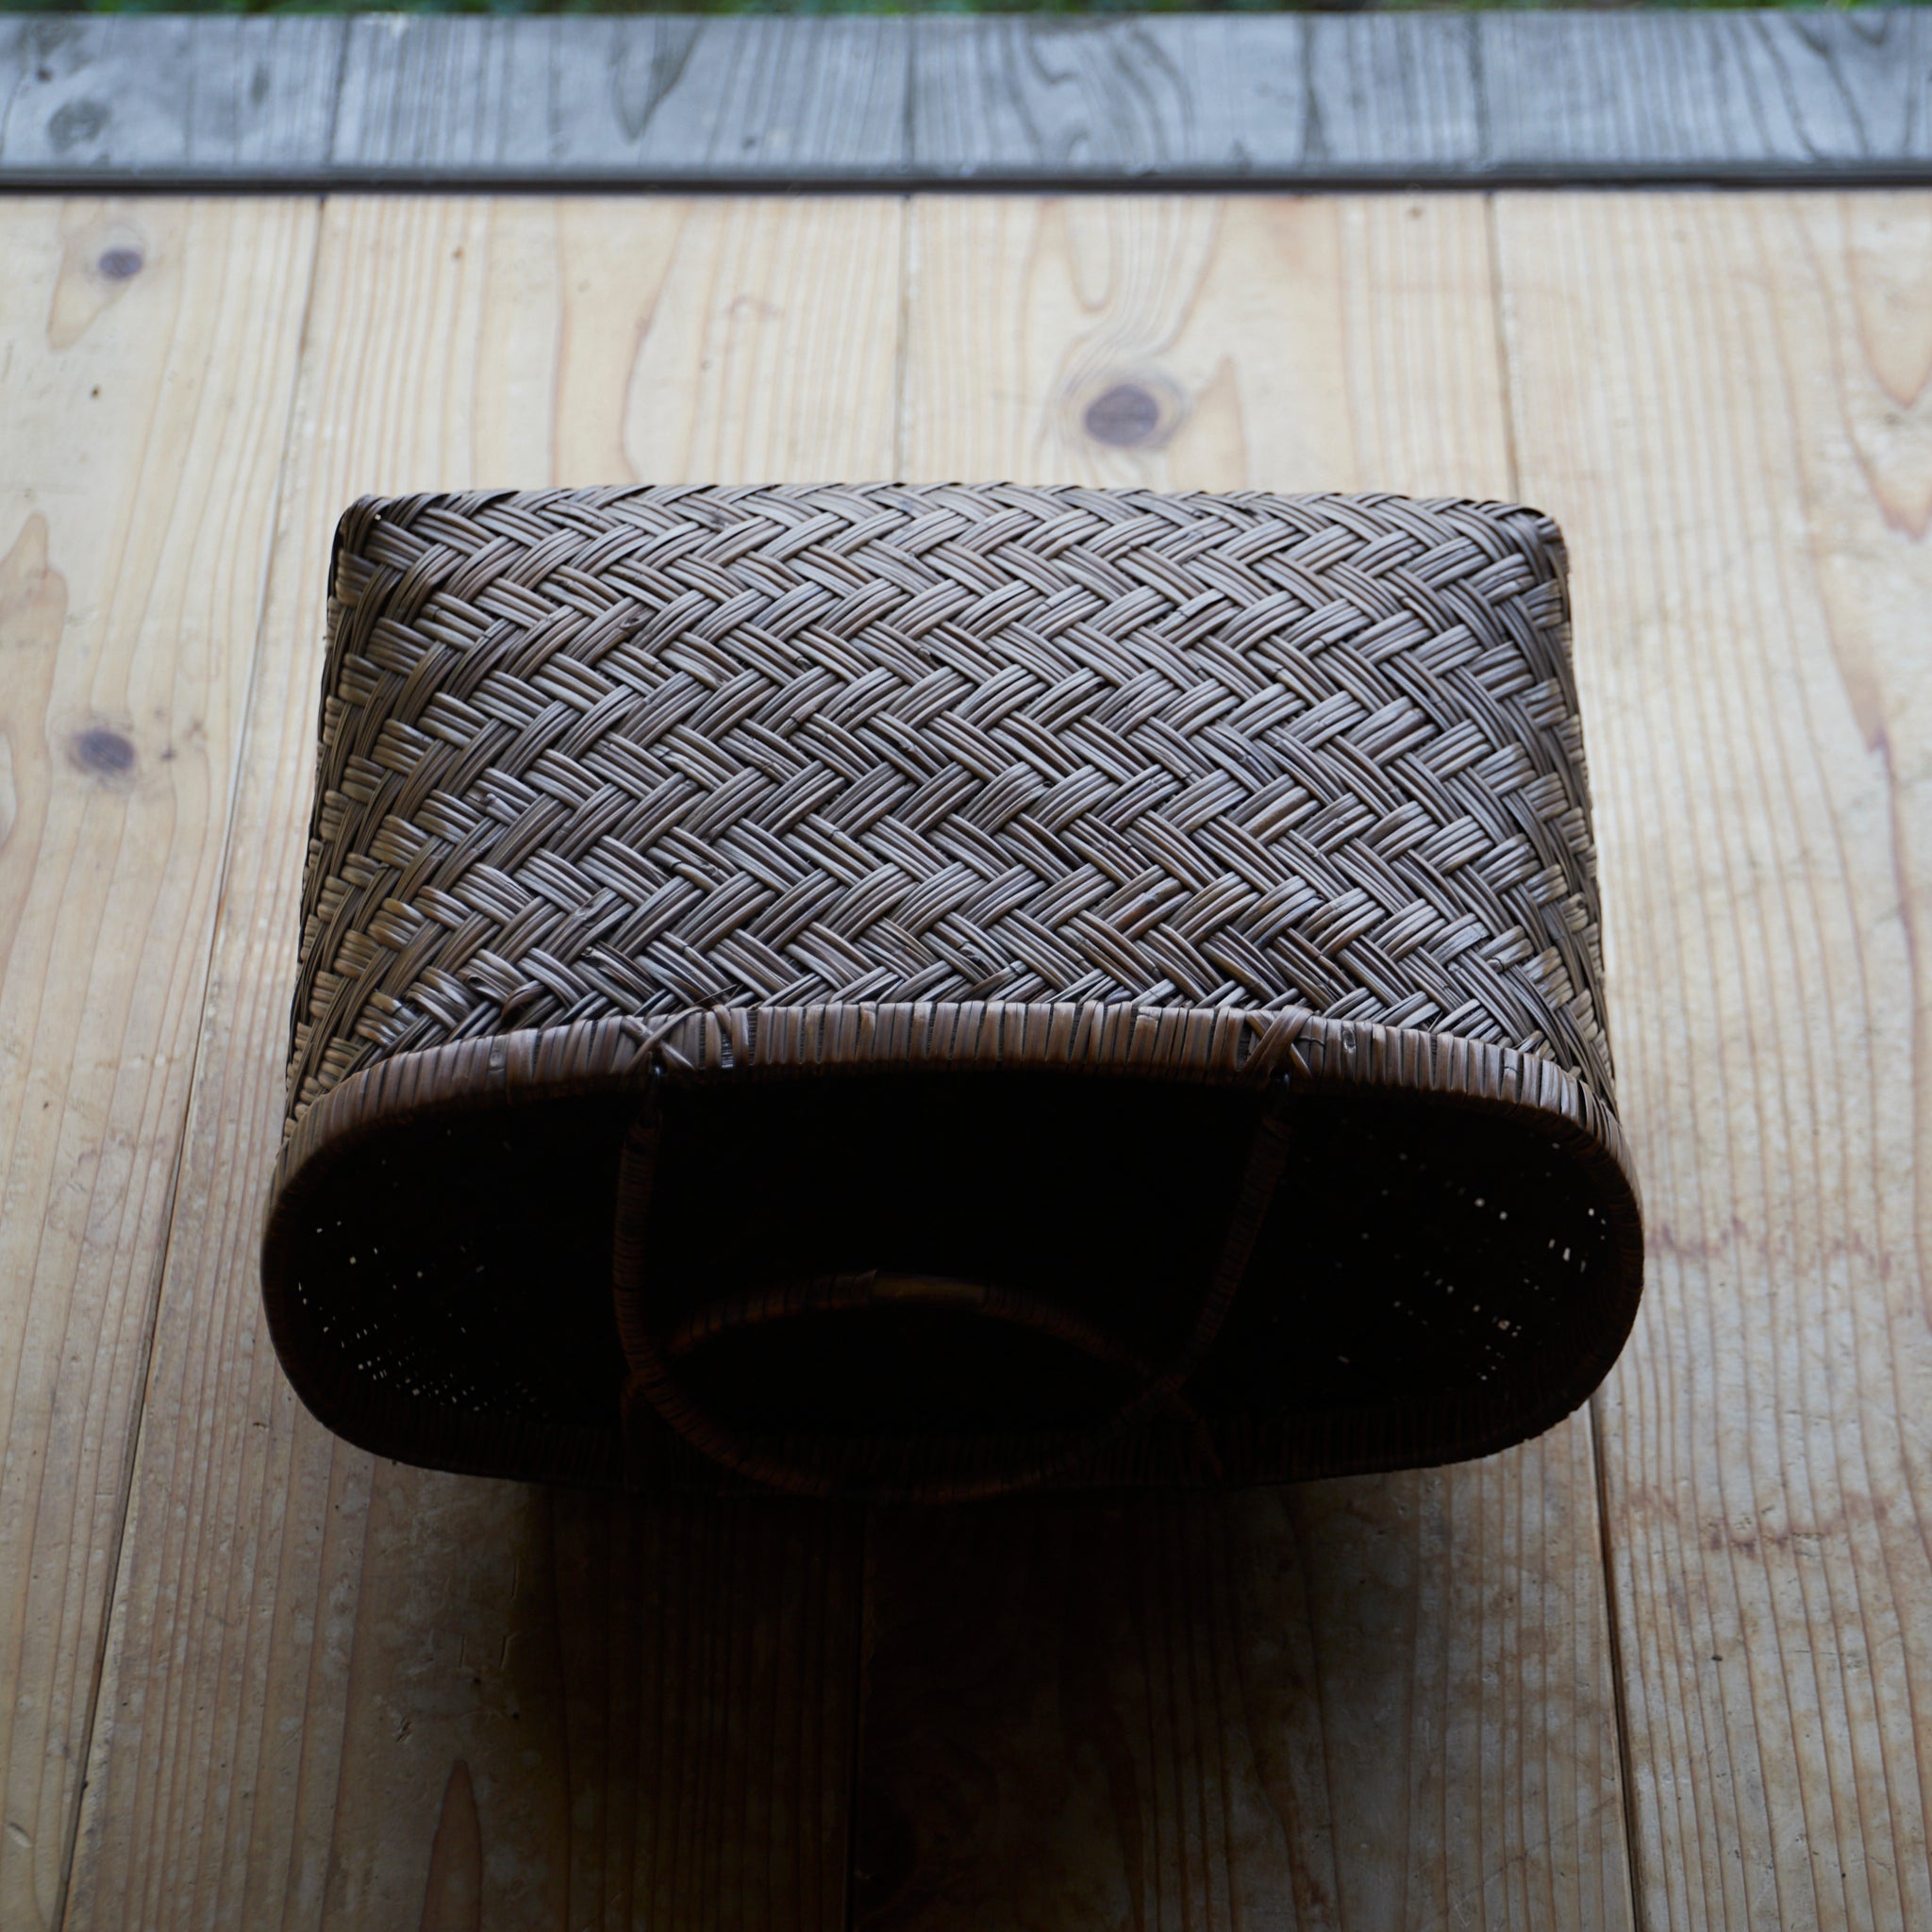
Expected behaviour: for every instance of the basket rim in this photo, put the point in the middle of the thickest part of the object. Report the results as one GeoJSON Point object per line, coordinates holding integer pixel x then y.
{"type": "Point", "coordinates": [1214, 1047]}
{"type": "Point", "coordinates": [1234, 1049]}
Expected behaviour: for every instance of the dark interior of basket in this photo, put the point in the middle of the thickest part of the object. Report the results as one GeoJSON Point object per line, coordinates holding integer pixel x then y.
{"type": "Point", "coordinates": [1417, 1259]}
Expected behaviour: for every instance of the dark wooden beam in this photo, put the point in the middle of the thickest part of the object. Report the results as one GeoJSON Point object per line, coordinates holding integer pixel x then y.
{"type": "Point", "coordinates": [1177, 100]}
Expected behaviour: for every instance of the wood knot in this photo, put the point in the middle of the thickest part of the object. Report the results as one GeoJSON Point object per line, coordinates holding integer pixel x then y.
{"type": "Point", "coordinates": [106, 754]}
{"type": "Point", "coordinates": [1124, 416]}
{"type": "Point", "coordinates": [75, 124]}
{"type": "Point", "coordinates": [1130, 411]}
{"type": "Point", "coordinates": [121, 264]}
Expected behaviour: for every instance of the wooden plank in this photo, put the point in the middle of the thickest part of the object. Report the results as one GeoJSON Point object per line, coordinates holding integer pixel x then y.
{"type": "Point", "coordinates": [667, 99]}
{"type": "Point", "coordinates": [147, 359]}
{"type": "Point", "coordinates": [1382, 1702]}
{"type": "Point", "coordinates": [1394, 97]}
{"type": "Point", "coordinates": [1771, 95]}
{"type": "Point", "coordinates": [342, 1692]}
{"type": "Point", "coordinates": [177, 99]}
{"type": "Point", "coordinates": [1727, 402]}
{"type": "Point", "coordinates": [1213, 98]}
{"type": "Point", "coordinates": [871, 102]}
{"type": "Point", "coordinates": [1009, 98]}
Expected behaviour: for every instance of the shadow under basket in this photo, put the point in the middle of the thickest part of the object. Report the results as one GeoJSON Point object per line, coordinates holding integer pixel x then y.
{"type": "Point", "coordinates": [589, 1227]}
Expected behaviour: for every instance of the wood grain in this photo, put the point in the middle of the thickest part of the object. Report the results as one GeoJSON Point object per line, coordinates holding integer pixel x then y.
{"type": "Point", "coordinates": [1384, 1702]}
{"type": "Point", "coordinates": [341, 1692]}
{"type": "Point", "coordinates": [126, 100]}
{"type": "Point", "coordinates": [1209, 99]}
{"type": "Point", "coordinates": [651, 1707]}
{"type": "Point", "coordinates": [1012, 98]}
{"type": "Point", "coordinates": [1726, 403]}
{"type": "Point", "coordinates": [1782, 95]}
{"type": "Point", "coordinates": [147, 358]}
{"type": "Point", "coordinates": [665, 99]}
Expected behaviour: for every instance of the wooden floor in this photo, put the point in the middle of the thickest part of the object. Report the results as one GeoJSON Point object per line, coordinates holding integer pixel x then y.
{"type": "Point", "coordinates": [1670, 1665]}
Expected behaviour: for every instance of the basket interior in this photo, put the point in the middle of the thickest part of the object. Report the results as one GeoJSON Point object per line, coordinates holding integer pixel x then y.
{"type": "Point", "coordinates": [1414, 1252]}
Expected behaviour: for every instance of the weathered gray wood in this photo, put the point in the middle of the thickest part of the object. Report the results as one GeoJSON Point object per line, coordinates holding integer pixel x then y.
{"type": "Point", "coordinates": [1771, 93]}
{"type": "Point", "coordinates": [672, 98]}
{"type": "Point", "coordinates": [1214, 98]}
{"type": "Point", "coordinates": [1065, 99]}
{"type": "Point", "coordinates": [1392, 95]}
{"type": "Point", "coordinates": [129, 96]}
{"type": "Point", "coordinates": [1281, 100]}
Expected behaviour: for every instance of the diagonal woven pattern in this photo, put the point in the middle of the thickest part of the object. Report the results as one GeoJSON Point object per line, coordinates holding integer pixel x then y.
{"type": "Point", "coordinates": [633, 752]}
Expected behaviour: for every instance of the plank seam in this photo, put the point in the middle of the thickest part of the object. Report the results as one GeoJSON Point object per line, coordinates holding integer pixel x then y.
{"type": "Point", "coordinates": [1620, 1701]}
{"type": "Point", "coordinates": [1627, 1793]}
{"type": "Point", "coordinates": [334, 121]}
{"type": "Point", "coordinates": [1661, 177]}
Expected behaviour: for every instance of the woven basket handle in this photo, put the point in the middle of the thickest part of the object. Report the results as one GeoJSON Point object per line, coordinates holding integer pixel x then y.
{"type": "Point", "coordinates": [654, 1357]}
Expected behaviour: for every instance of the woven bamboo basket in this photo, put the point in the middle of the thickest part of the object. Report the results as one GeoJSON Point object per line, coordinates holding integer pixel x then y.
{"type": "Point", "coordinates": [919, 991]}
